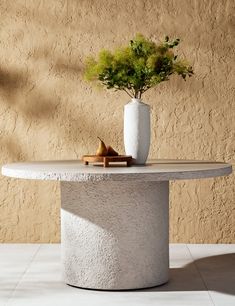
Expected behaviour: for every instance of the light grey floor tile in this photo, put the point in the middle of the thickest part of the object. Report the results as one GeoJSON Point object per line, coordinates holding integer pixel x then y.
{"type": "Point", "coordinates": [59, 294]}
{"type": "Point", "coordinates": [206, 250]}
{"type": "Point", "coordinates": [18, 252]}
{"type": "Point", "coordinates": [216, 264]}
{"type": "Point", "coordinates": [179, 255]}
{"type": "Point", "coordinates": [32, 276]}
{"type": "Point", "coordinates": [48, 253]}
{"type": "Point", "coordinates": [43, 285]}
{"type": "Point", "coordinates": [14, 260]}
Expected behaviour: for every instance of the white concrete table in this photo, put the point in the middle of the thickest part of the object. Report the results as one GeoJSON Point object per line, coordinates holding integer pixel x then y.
{"type": "Point", "coordinates": [114, 221]}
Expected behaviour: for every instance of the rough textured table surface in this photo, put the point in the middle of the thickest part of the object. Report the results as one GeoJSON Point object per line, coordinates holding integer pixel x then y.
{"type": "Point", "coordinates": [154, 170]}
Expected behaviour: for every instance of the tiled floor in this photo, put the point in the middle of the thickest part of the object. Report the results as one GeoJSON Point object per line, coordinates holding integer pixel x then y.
{"type": "Point", "coordinates": [202, 275]}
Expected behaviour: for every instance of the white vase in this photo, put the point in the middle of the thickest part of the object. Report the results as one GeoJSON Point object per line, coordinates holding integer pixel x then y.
{"type": "Point", "coordinates": [137, 130]}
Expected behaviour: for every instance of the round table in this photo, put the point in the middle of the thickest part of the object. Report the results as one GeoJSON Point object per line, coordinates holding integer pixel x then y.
{"type": "Point", "coordinates": [115, 221]}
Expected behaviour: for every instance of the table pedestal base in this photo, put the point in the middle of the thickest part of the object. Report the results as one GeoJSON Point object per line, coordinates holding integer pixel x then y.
{"type": "Point", "coordinates": [115, 234]}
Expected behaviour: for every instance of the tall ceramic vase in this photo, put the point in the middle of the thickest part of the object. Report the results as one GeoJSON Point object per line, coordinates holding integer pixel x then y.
{"type": "Point", "coordinates": [137, 130]}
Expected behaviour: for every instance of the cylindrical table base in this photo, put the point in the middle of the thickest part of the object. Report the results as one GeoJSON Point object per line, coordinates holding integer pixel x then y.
{"type": "Point", "coordinates": [115, 234]}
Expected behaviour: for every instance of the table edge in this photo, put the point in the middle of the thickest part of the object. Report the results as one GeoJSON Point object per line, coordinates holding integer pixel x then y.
{"type": "Point", "coordinates": [96, 177]}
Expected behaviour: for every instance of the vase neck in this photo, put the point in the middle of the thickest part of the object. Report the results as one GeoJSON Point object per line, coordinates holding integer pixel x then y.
{"type": "Point", "coordinates": [135, 100]}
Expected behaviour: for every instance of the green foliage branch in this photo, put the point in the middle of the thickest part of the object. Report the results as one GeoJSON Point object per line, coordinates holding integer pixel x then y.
{"type": "Point", "coordinates": [138, 67]}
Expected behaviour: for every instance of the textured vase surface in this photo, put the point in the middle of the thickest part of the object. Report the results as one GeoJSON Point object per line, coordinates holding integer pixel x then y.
{"type": "Point", "coordinates": [137, 130]}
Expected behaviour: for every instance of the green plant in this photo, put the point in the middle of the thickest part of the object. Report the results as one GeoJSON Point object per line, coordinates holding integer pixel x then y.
{"type": "Point", "coordinates": [138, 67]}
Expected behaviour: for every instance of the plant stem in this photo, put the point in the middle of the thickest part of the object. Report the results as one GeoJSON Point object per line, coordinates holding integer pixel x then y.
{"type": "Point", "coordinates": [132, 91]}
{"type": "Point", "coordinates": [127, 92]}
{"type": "Point", "coordinates": [136, 93]}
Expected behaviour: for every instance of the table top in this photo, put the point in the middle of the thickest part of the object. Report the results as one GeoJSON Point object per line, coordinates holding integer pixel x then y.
{"type": "Point", "coordinates": [154, 170]}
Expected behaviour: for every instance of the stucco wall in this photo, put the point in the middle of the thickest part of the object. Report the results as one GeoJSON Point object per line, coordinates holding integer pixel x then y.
{"type": "Point", "coordinates": [48, 112]}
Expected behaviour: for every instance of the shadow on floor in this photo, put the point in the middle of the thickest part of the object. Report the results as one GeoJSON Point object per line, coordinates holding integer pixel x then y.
{"type": "Point", "coordinates": [215, 273]}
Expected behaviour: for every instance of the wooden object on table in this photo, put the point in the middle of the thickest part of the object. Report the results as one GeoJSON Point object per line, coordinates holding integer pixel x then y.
{"type": "Point", "coordinates": [107, 159]}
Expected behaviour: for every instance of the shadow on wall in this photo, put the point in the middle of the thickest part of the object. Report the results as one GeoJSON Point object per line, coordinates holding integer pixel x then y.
{"type": "Point", "coordinates": [36, 101]}
{"type": "Point", "coordinates": [10, 82]}
{"type": "Point", "coordinates": [11, 150]}
{"type": "Point", "coordinates": [41, 102]}
{"type": "Point", "coordinates": [21, 93]}
{"type": "Point", "coordinates": [62, 66]}
{"type": "Point", "coordinates": [70, 65]}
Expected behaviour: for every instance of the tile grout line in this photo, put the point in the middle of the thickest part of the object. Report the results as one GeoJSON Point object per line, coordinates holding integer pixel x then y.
{"type": "Point", "coordinates": [200, 274]}
{"type": "Point", "coordinates": [23, 274]}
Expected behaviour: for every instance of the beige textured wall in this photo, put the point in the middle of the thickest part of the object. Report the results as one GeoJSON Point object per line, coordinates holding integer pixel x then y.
{"type": "Point", "coordinates": [48, 112]}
